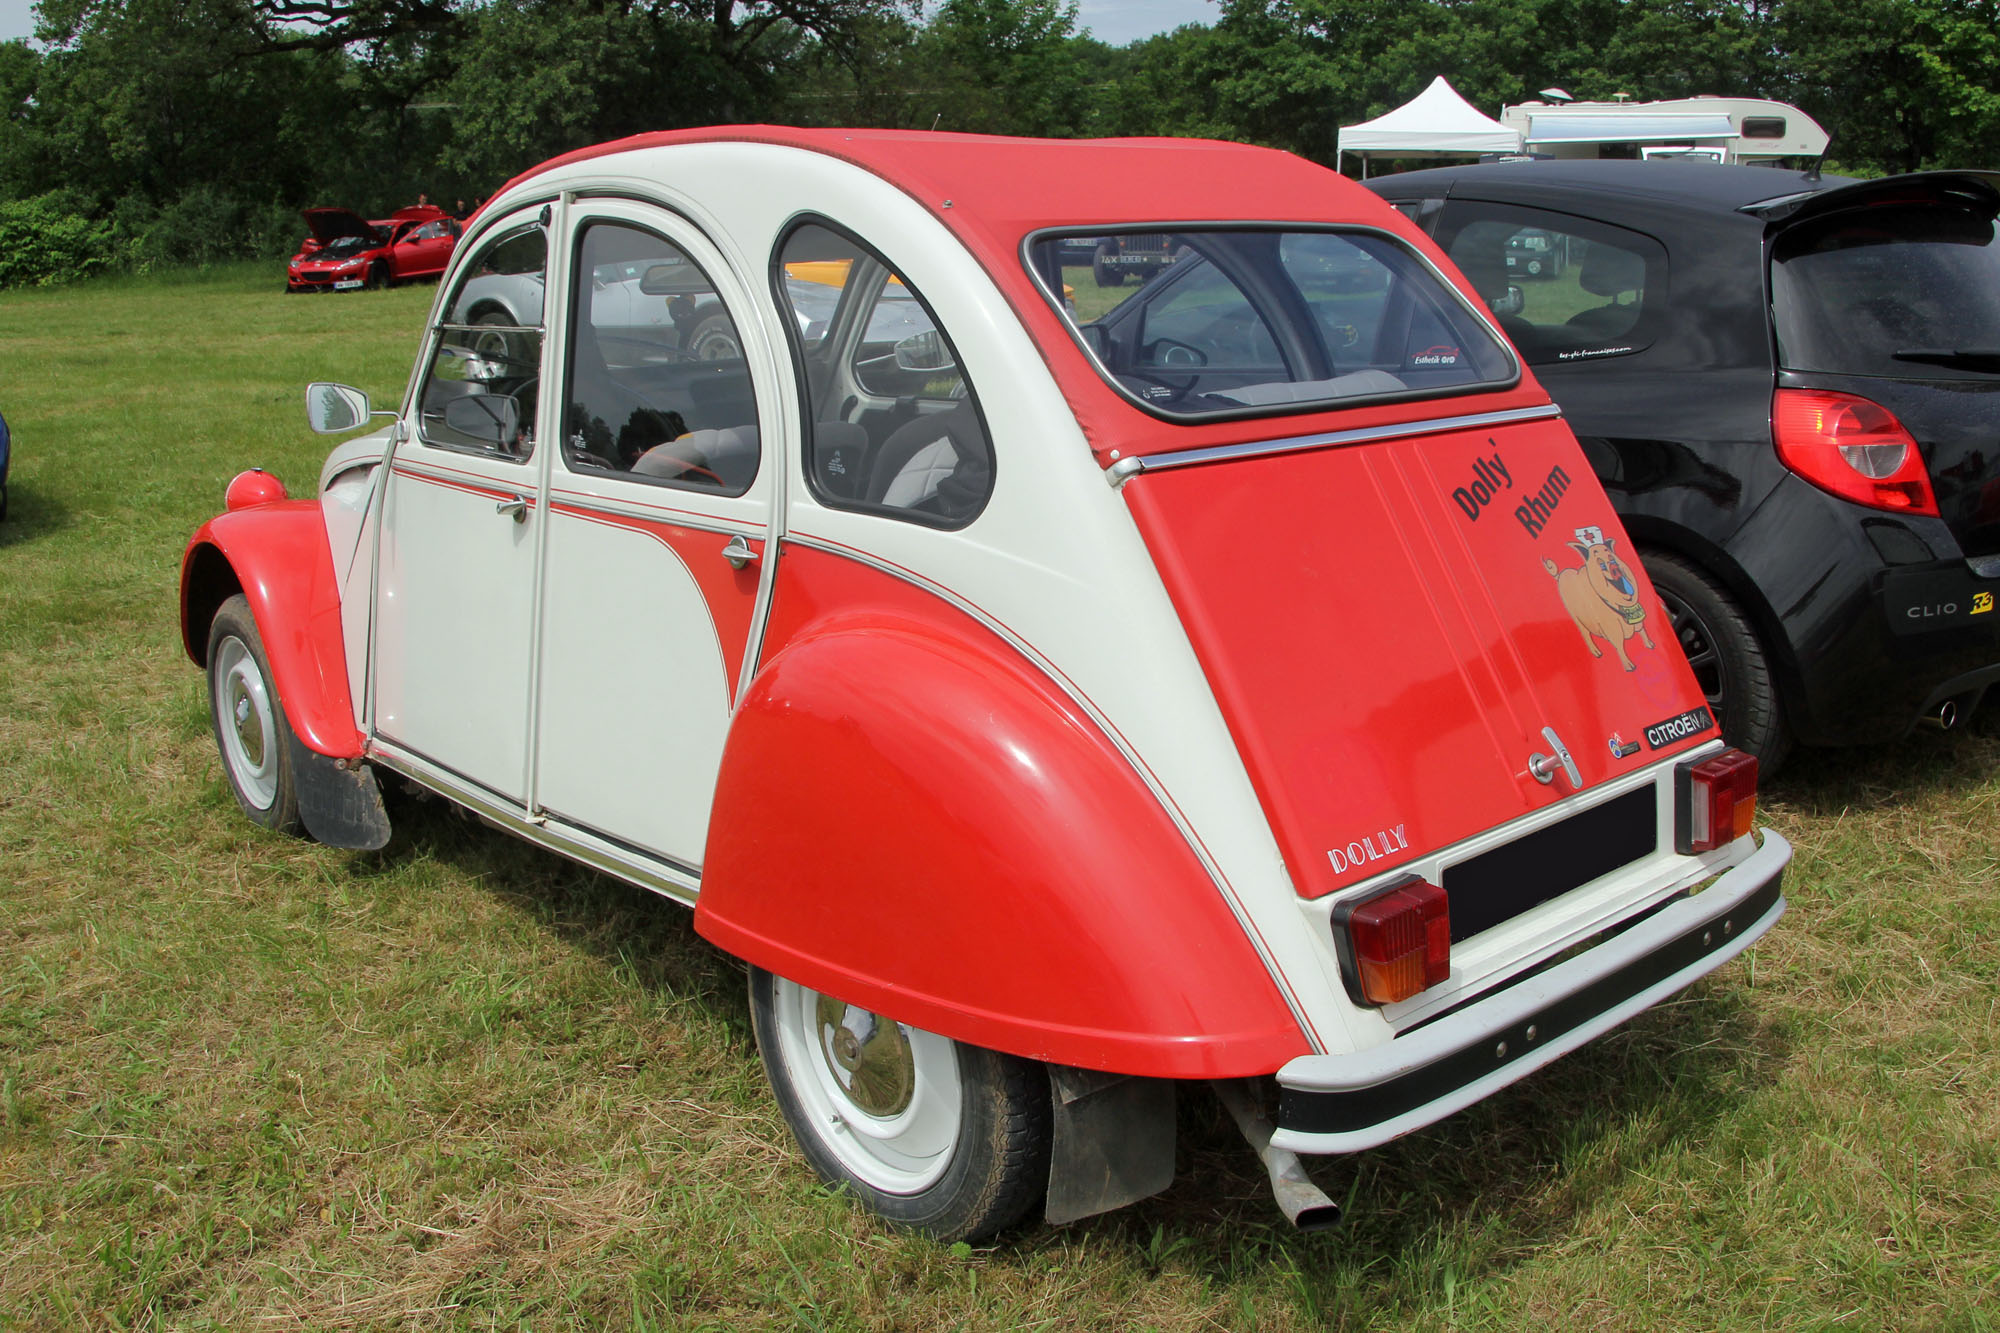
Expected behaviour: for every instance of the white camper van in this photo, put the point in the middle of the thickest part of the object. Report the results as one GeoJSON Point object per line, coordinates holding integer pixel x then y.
{"type": "Point", "coordinates": [1712, 129]}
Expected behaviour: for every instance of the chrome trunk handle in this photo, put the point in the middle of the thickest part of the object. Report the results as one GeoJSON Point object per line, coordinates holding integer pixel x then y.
{"type": "Point", "coordinates": [1542, 767]}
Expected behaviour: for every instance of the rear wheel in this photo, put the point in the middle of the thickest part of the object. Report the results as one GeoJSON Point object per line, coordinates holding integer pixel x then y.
{"type": "Point", "coordinates": [1106, 273]}
{"type": "Point", "coordinates": [930, 1133]}
{"type": "Point", "coordinates": [249, 720]}
{"type": "Point", "coordinates": [1729, 662]}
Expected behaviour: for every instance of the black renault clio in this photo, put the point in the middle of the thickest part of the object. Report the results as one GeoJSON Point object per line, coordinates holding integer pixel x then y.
{"type": "Point", "coordinates": [1790, 385]}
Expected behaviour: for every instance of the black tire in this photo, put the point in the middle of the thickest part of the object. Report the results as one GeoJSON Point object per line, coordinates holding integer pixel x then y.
{"type": "Point", "coordinates": [1534, 268]}
{"type": "Point", "coordinates": [989, 1165]}
{"type": "Point", "coordinates": [506, 349]}
{"type": "Point", "coordinates": [378, 277]}
{"type": "Point", "coordinates": [1729, 661]}
{"type": "Point", "coordinates": [1106, 273]}
{"type": "Point", "coordinates": [251, 732]}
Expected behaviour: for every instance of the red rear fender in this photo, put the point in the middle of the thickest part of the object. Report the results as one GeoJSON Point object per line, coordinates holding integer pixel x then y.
{"type": "Point", "coordinates": [277, 556]}
{"type": "Point", "coordinates": [913, 818]}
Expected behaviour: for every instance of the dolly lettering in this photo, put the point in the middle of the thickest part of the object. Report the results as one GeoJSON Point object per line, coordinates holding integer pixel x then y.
{"type": "Point", "coordinates": [1372, 848]}
{"type": "Point", "coordinates": [1537, 509]}
{"type": "Point", "coordinates": [1489, 478]}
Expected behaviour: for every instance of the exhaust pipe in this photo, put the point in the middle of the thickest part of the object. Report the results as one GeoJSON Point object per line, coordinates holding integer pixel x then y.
{"type": "Point", "coordinates": [1297, 1197]}
{"type": "Point", "coordinates": [1946, 717]}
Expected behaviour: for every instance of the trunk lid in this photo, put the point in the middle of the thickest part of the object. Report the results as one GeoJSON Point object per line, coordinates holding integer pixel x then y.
{"type": "Point", "coordinates": [1396, 628]}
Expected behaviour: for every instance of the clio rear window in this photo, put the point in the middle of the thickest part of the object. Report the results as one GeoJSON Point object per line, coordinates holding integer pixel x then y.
{"type": "Point", "coordinates": [1236, 321]}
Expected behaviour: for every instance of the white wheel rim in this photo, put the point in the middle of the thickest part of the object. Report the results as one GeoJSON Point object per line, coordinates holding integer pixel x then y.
{"type": "Point", "coordinates": [902, 1151]}
{"type": "Point", "coordinates": [244, 721]}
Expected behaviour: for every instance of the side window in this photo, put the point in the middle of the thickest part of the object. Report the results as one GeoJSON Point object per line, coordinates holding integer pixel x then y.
{"type": "Point", "coordinates": [893, 426]}
{"type": "Point", "coordinates": [656, 388]}
{"type": "Point", "coordinates": [1561, 288]}
{"type": "Point", "coordinates": [479, 392]}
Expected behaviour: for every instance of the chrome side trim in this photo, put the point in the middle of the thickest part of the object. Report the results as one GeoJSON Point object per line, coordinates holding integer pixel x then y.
{"type": "Point", "coordinates": [1244, 920]}
{"type": "Point", "coordinates": [1123, 470]}
{"type": "Point", "coordinates": [574, 844]}
{"type": "Point", "coordinates": [590, 502]}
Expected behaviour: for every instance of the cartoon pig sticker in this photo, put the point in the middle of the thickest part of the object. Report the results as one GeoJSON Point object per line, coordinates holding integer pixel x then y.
{"type": "Point", "coordinates": [1600, 597]}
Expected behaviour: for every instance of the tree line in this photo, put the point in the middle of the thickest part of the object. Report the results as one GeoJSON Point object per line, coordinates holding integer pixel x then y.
{"type": "Point", "coordinates": [172, 132]}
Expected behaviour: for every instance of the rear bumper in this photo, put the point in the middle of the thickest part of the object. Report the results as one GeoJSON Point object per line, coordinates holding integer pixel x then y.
{"type": "Point", "coordinates": [1345, 1103]}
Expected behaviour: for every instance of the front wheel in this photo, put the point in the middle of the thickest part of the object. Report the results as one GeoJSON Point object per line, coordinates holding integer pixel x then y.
{"type": "Point", "coordinates": [249, 720]}
{"type": "Point", "coordinates": [1729, 662]}
{"type": "Point", "coordinates": [947, 1138]}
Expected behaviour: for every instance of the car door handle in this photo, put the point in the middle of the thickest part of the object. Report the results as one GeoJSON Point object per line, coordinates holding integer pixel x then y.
{"type": "Point", "coordinates": [516, 508]}
{"type": "Point", "coordinates": [738, 552]}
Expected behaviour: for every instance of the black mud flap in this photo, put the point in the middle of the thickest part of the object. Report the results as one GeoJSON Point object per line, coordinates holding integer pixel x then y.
{"type": "Point", "coordinates": [1114, 1141]}
{"type": "Point", "coordinates": [339, 802]}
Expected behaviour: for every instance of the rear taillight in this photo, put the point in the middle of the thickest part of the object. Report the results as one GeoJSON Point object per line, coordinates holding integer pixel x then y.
{"type": "Point", "coordinates": [1394, 943]}
{"type": "Point", "coordinates": [1852, 447]}
{"type": "Point", "coordinates": [1717, 801]}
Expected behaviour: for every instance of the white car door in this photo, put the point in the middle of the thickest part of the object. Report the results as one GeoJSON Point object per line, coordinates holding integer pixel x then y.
{"type": "Point", "coordinates": [660, 506]}
{"type": "Point", "coordinates": [456, 579]}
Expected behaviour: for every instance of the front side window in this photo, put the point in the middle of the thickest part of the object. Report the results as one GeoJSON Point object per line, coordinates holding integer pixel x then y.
{"type": "Point", "coordinates": [656, 389]}
{"type": "Point", "coordinates": [893, 425]}
{"type": "Point", "coordinates": [480, 390]}
{"type": "Point", "coordinates": [1236, 321]}
{"type": "Point", "coordinates": [1562, 289]}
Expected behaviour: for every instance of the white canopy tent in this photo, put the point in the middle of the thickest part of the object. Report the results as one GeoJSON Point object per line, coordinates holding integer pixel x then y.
{"type": "Point", "coordinates": [1435, 123]}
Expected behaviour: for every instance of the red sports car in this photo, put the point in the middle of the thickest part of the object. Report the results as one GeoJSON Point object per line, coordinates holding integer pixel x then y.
{"type": "Point", "coordinates": [347, 251]}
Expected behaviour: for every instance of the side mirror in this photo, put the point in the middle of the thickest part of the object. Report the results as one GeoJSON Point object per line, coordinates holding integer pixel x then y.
{"type": "Point", "coordinates": [1510, 303]}
{"type": "Point", "coordinates": [490, 418]}
{"type": "Point", "coordinates": [1096, 339]}
{"type": "Point", "coordinates": [923, 351]}
{"type": "Point", "coordinates": [332, 409]}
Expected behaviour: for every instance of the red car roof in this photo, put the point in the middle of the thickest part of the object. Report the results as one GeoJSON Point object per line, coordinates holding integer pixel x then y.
{"type": "Point", "coordinates": [992, 191]}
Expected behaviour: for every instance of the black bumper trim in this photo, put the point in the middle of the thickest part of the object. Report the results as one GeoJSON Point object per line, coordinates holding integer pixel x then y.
{"type": "Point", "coordinates": [1350, 1110]}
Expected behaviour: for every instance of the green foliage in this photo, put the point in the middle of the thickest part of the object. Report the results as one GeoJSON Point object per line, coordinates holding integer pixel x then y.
{"type": "Point", "coordinates": [201, 127]}
{"type": "Point", "coordinates": [44, 242]}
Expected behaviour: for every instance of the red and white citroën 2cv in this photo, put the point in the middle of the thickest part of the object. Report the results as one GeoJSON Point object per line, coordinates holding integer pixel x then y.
{"type": "Point", "coordinates": [1059, 692]}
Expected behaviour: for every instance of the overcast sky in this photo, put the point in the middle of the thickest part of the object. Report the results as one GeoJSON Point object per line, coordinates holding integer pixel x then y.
{"type": "Point", "coordinates": [1113, 21]}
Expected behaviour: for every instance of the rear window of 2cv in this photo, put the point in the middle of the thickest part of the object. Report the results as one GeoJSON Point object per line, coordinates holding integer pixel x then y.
{"type": "Point", "coordinates": [1251, 321]}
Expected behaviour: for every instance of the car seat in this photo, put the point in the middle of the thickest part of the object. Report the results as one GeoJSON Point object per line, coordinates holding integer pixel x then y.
{"type": "Point", "coordinates": [1610, 272]}
{"type": "Point", "coordinates": [941, 463]}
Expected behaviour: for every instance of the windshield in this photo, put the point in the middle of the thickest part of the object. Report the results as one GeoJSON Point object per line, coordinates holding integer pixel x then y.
{"type": "Point", "coordinates": [1229, 321]}
{"type": "Point", "coordinates": [1909, 291]}
{"type": "Point", "coordinates": [343, 246]}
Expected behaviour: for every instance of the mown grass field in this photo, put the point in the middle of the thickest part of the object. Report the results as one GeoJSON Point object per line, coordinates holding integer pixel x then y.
{"type": "Point", "coordinates": [250, 1083]}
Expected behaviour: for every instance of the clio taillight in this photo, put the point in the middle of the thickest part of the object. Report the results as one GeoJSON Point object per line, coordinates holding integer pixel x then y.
{"type": "Point", "coordinates": [1718, 801]}
{"type": "Point", "coordinates": [1853, 447]}
{"type": "Point", "coordinates": [1394, 943]}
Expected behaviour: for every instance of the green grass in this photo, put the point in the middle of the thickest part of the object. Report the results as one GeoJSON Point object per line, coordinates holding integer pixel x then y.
{"type": "Point", "coordinates": [248, 1082]}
